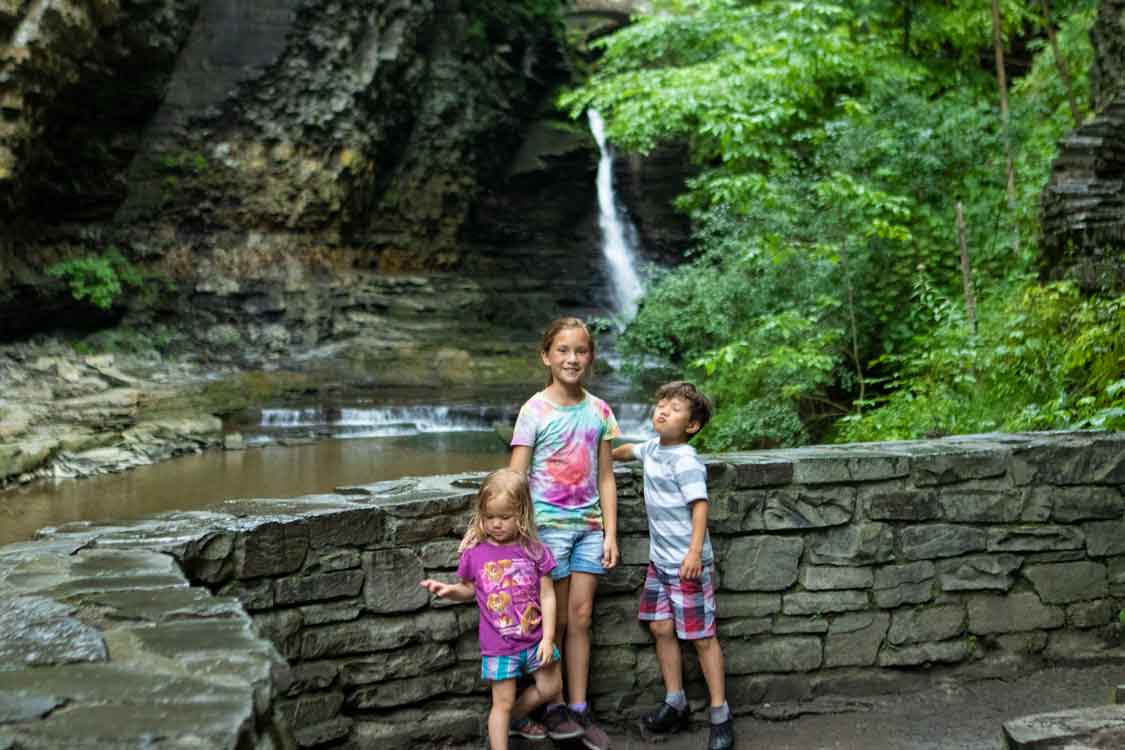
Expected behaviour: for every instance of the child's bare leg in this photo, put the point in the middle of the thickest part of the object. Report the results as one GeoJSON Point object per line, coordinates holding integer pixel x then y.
{"type": "Point", "coordinates": [548, 683]}
{"type": "Point", "coordinates": [500, 717]}
{"type": "Point", "coordinates": [711, 660]}
{"type": "Point", "coordinates": [580, 610]}
{"type": "Point", "coordinates": [562, 597]}
{"type": "Point", "coordinates": [668, 654]}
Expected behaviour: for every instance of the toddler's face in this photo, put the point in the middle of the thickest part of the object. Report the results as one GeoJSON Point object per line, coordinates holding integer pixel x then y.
{"type": "Point", "coordinates": [500, 520]}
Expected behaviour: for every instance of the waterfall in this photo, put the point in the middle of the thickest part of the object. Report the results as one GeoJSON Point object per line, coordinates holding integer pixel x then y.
{"type": "Point", "coordinates": [391, 421]}
{"type": "Point", "coordinates": [29, 26]}
{"type": "Point", "coordinates": [618, 233]}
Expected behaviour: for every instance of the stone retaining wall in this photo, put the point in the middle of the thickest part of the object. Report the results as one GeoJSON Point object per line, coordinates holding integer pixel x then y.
{"type": "Point", "coordinates": [844, 570]}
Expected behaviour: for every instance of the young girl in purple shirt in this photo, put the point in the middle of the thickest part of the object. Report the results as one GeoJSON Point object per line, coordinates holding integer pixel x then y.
{"type": "Point", "coordinates": [508, 570]}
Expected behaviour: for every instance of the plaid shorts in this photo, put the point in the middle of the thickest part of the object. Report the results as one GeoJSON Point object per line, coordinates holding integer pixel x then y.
{"type": "Point", "coordinates": [495, 668]}
{"type": "Point", "coordinates": [691, 604]}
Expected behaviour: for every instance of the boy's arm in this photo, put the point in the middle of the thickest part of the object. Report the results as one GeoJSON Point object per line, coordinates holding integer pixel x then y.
{"type": "Point", "coordinates": [547, 607]}
{"type": "Point", "coordinates": [624, 452]}
{"type": "Point", "coordinates": [607, 491]}
{"type": "Point", "coordinates": [692, 566]}
{"type": "Point", "coordinates": [458, 592]}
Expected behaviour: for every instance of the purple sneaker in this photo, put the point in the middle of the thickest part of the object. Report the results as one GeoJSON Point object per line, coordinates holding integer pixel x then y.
{"type": "Point", "coordinates": [560, 724]}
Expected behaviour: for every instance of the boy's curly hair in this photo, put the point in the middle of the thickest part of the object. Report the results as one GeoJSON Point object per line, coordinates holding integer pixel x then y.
{"type": "Point", "coordinates": [700, 404]}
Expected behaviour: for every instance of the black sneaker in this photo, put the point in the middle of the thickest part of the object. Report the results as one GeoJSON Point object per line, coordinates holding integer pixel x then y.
{"type": "Point", "coordinates": [666, 719]}
{"type": "Point", "coordinates": [722, 736]}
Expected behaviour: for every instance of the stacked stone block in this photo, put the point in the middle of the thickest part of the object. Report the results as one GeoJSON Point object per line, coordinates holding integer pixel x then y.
{"type": "Point", "coordinates": [843, 570]}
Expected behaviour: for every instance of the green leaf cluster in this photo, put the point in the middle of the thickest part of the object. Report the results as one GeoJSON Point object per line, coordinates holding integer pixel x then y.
{"type": "Point", "coordinates": [832, 144]}
{"type": "Point", "coordinates": [98, 279]}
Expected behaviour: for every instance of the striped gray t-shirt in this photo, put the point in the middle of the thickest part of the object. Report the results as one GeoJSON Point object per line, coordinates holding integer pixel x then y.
{"type": "Point", "coordinates": [674, 479]}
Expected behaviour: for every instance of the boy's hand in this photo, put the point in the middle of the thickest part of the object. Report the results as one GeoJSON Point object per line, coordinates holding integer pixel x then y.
{"type": "Point", "coordinates": [624, 452]}
{"type": "Point", "coordinates": [692, 566]}
{"type": "Point", "coordinates": [546, 652]}
{"type": "Point", "coordinates": [609, 553]}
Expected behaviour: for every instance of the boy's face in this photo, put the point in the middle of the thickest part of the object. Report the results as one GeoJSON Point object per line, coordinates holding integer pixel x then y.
{"type": "Point", "coordinates": [672, 420]}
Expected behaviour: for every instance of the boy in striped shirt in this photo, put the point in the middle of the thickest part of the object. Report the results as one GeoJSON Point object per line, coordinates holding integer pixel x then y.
{"type": "Point", "coordinates": [678, 601]}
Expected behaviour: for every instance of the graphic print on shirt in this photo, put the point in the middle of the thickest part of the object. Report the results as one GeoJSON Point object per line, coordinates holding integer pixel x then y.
{"type": "Point", "coordinates": [510, 588]}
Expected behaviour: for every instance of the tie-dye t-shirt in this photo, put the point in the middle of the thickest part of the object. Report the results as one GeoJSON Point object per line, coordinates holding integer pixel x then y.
{"type": "Point", "coordinates": [564, 443]}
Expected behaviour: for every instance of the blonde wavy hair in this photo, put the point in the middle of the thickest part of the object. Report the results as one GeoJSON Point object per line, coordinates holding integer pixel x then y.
{"type": "Point", "coordinates": [510, 485]}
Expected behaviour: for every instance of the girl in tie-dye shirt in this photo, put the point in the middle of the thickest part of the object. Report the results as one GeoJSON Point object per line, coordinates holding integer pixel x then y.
{"type": "Point", "coordinates": [562, 441]}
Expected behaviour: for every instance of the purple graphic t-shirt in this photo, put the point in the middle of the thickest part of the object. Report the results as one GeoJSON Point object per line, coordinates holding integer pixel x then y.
{"type": "Point", "coordinates": [563, 475]}
{"type": "Point", "coordinates": [506, 579]}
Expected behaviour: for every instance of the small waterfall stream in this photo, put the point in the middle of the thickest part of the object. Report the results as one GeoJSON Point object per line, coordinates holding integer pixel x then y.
{"type": "Point", "coordinates": [618, 233]}
{"type": "Point", "coordinates": [29, 26]}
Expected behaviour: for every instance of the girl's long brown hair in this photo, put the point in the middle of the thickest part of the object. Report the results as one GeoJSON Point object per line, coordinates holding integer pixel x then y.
{"type": "Point", "coordinates": [561, 324]}
{"type": "Point", "coordinates": [512, 486]}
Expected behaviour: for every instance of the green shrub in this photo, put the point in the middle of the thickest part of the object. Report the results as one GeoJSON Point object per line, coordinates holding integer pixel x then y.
{"type": "Point", "coordinates": [98, 279]}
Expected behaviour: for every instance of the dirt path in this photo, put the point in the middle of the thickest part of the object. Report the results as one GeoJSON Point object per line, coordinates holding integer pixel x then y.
{"type": "Point", "coordinates": [948, 717]}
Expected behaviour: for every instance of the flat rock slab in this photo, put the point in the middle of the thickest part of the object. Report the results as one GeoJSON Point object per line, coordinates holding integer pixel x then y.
{"type": "Point", "coordinates": [1100, 727]}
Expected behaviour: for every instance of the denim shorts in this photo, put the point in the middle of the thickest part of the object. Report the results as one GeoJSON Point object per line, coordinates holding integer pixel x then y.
{"type": "Point", "coordinates": [575, 551]}
{"type": "Point", "coordinates": [496, 668]}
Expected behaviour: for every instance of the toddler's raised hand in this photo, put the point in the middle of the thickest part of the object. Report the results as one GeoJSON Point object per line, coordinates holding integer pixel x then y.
{"type": "Point", "coordinates": [437, 587]}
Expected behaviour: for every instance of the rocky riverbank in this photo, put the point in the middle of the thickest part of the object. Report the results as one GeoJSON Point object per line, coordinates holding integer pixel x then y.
{"type": "Point", "coordinates": [65, 414]}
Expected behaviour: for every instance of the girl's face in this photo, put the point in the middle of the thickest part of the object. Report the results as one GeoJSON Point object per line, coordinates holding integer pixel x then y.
{"type": "Point", "coordinates": [500, 520]}
{"type": "Point", "coordinates": [569, 357]}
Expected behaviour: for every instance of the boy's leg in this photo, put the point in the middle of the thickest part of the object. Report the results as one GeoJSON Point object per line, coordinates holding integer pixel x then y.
{"type": "Point", "coordinates": [500, 717]}
{"type": "Point", "coordinates": [672, 714]}
{"type": "Point", "coordinates": [668, 654]}
{"type": "Point", "coordinates": [711, 661]}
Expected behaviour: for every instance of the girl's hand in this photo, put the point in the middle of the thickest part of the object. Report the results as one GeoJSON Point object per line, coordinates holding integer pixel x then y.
{"type": "Point", "coordinates": [546, 652]}
{"type": "Point", "coordinates": [437, 587]}
{"type": "Point", "coordinates": [609, 553]}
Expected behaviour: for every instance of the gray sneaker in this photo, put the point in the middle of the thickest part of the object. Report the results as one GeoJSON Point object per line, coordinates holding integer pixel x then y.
{"type": "Point", "coordinates": [561, 725]}
{"type": "Point", "coordinates": [593, 736]}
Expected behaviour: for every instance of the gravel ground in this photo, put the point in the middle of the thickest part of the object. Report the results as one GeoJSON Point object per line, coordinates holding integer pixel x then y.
{"type": "Point", "coordinates": [965, 716]}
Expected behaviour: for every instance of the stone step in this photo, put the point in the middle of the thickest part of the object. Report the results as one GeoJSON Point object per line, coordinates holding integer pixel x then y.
{"type": "Point", "coordinates": [1076, 729]}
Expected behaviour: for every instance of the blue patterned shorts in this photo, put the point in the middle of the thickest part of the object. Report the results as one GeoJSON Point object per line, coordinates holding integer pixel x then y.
{"type": "Point", "coordinates": [495, 668]}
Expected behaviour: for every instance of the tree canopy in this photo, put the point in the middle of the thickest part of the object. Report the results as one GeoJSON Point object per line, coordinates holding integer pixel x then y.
{"type": "Point", "coordinates": [832, 143]}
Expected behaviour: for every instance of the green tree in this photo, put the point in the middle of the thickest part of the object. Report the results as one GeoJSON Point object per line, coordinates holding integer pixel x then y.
{"type": "Point", "coordinates": [832, 142]}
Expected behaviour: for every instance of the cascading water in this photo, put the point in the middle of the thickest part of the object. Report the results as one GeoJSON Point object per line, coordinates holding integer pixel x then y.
{"type": "Point", "coordinates": [618, 233]}
{"type": "Point", "coordinates": [29, 27]}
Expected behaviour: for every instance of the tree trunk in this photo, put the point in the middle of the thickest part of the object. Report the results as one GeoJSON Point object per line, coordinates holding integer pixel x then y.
{"type": "Point", "coordinates": [966, 272]}
{"type": "Point", "coordinates": [1060, 63]}
{"type": "Point", "coordinates": [1002, 84]}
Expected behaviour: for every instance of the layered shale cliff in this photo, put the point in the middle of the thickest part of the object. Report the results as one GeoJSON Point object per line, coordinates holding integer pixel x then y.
{"type": "Point", "coordinates": [1083, 205]}
{"type": "Point", "coordinates": [293, 173]}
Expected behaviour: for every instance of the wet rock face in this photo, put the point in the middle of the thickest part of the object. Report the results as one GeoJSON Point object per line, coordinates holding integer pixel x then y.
{"type": "Point", "coordinates": [1083, 205]}
{"type": "Point", "coordinates": [252, 136]}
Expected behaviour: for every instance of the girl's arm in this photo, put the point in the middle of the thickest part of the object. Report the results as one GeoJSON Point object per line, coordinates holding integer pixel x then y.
{"type": "Point", "coordinates": [458, 592]}
{"type": "Point", "coordinates": [547, 607]}
{"type": "Point", "coordinates": [521, 458]}
{"type": "Point", "coordinates": [607, 491]}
